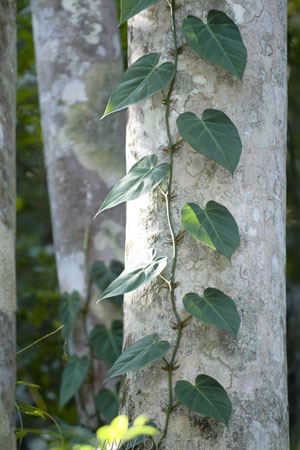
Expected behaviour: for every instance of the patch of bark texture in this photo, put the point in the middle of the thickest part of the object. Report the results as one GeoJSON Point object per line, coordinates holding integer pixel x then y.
{"type": "Point", "coordinates": [7, 223]}
{"type": "Point", "coordinates": [79, 61]}
{"type": "Point", "coordinates": [252, 368]}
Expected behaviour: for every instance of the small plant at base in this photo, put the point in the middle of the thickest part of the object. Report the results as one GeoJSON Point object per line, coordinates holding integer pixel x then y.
{"type": "Point", "coordinates": [215, 136]}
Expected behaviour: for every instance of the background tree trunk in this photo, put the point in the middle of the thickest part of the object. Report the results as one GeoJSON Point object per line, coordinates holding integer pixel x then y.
{"type": "Point", "coordinates": [253, 368]}
{"type": "Point", "coordinates": [7, 222]}
{"type": "Point", "coordinates": [79, 60]}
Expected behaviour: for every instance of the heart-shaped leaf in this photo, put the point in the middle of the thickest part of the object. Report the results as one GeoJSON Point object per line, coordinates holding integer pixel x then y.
{"type": "Point", "coordinates": [131, 279]}
{"type": "Point", "coordinates": [73, 375]}
{"type": "Point", "coordinates": [207, 397]}
{"type": "Point", "coordinates": [219, 41]}
{"type": "Point", "coordinates": [130, 8]}
{"type": "Point", "coordinates": [145, 351]}
{"type": "Point", "coordinates": [107, 344]}
{"type": "Point", "coordinates": [107, 403]}
{"type": "Point", "coordinates": [141, 80]}
{"type": "Point", "coordinates": [214, 226]}
{"type": "Point", "coordinates": [214, 136]}
{"type": "Point", "coordinates": [68, 309]}
{"type": "Point", "coordinates": [103, 275]}
{"type": "Point", "coordinates": [144, 176]}
{"type": "Point", "coordinates": [214, 308]}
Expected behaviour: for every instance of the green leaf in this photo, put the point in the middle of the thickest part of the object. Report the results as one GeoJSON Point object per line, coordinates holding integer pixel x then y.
{"type": "Point", "coordinates": [31, 410]}
{"type": "Point", "coordinates": [21, 432]}
{"type": "Point", "coordinates": [103, 275]}
{"type": "Point", "coordinates": [207, 397]}
{"type": "Point", "coordinates": [214, 226]}
{"type": "Point", "coordinates": [107, 403]}
{"type": "Point", "coordinates": [107, 344]}
{"type": "Point", "coordinates": [68, 309]}
{"type": "Point", "coordinates": [143, 352]}
{"type": "Point", "coordinates": [36, 386]}
{"type": "Point", "coordinates": [141, 80]}
{"type": "Point", "coordinates": [214, 308]}
{"type": "Point", "coordinates": [219, 41]}
{"type": "Point", "coordinates": [73, 375]}
{"type": "Point", "coordinates": [144, 176]}
{"type": "Point", "coordinates": [214, 136]}
{"type": "Point", "coordinates": [131, 279]}
{"type": "Point", "coordinates": [130, 8]}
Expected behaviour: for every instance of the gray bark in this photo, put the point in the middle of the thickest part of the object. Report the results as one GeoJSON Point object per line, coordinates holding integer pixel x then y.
{"type": "Point", "coordinates": [79, 60]}
{"type": "Point", "coordinates": [7, 222]}
{"type": "Point", "coordinates": [253, 368]}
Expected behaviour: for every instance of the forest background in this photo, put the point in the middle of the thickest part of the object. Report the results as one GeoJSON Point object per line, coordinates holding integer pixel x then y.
{"type": "Point", "coordinates": [37, 288]}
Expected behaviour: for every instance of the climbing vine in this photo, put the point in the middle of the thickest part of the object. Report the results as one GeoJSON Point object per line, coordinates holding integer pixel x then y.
{"type": "Point", "coordinates": [215, 136]}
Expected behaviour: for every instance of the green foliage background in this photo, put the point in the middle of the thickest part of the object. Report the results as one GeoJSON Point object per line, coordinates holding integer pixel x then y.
{"type": "Point", "coordinates": [37, 289]}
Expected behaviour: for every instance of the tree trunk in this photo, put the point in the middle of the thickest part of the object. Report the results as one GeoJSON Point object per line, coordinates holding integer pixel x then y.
{"type": "Point", "coordinates": [253, 368]}
{"type": "Point", "coordinates": [79, 60]}
{"type": "Point", "coordinates": [7, 222]}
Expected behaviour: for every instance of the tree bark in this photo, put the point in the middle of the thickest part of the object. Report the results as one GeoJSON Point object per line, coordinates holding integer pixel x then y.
{"type": "Point", "coordinates": [79, 60]}
{"type": "Point", "coordinates": [253, 368]}
{"type": "Point", "coordinates": [7, 222]}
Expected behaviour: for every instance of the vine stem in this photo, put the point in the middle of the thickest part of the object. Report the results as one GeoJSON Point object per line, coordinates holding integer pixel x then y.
{"type": "Point", "coordinates": [84, 312]}
{"type": "Point", "coordinates": [171, 4]}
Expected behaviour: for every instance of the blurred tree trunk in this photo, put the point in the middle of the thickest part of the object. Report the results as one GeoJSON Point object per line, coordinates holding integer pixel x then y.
{"type": "Point", "coordinates": [7, 222]}
{"type": "Point", "coordinates": [79, 60]}
{"type": "Point", "coordinates": [253, 368]}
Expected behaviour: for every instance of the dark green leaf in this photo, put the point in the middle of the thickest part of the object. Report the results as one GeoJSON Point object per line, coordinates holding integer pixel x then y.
{"type": "Point", "coordinates": [31, 410]}
{"type": "Point", "coordinates": [143, 352]}
{"type": "Point", "coordinates": [130, 8]}
{"type": "Point", "coordinates": [103, 275]}
{"type": "Point", "coordinates": [68, 309]}
{"type": "Point", "coordinates": [214, 136]}
{"type": "Point", "coordinates": [144, 176]}
{"type": "Point", "coordinates": [73, 375]}
{"type": "Point", "coordinates": [219, 41]}
{"type": "Point", "coordinates": [131, 279]}
{"type": "Point", "coordinates": [141, 80]}
{"type": "Point", "coordinates": [214, 226]}
{"type": "Point", "coordinates": [107, 403]}
{"type": "Point", "coordinates": [207, 398]}
{"type": "Point", "coordinates": [107, 344]}
{"type": "Point", "coordinates": [21, 432]}
{"type": "Point", "coordinates": [214, 308]}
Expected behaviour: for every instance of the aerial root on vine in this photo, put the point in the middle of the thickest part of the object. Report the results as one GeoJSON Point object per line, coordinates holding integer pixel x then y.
{"type": "Point", "coordinates": [172, 196]}
{"type": "Point", "coordinates": [177, 145]}
{"type": "Point", "coordinates": [169, 240]}
{"type": "Point", "coordinates": [179, 50]}
{"type": "Point", "coordinates": [169, 101]}
{"type": "Point", "coordinates": [175, 366]}
{"type": "Point", "coordinates": [175, 326]}
{"type": "Point", "coordinates": [179, 239]}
